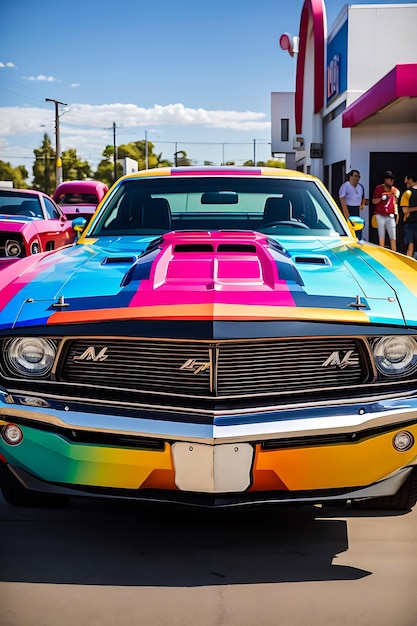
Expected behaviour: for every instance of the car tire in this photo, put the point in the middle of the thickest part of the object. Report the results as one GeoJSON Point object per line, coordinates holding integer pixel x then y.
{"type": "Point", "coordinates": [403, 500]}
{"type": "Point", "coordinates": [16, 494]}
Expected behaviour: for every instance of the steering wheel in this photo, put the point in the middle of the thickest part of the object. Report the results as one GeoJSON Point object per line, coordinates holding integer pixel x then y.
{"type": "Point", "coordinates": [287, 223]}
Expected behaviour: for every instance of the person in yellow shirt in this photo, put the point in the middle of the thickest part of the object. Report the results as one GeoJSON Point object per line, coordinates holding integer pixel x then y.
{"type": "Point", "coordinates": [408, 204]}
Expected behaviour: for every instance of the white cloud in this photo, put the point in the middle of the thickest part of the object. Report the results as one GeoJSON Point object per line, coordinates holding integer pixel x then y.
{"type": "Point", "coordinates": [88, 128]}
{"type": "Point", "coordinates": [41, 77]}
{"type": "Point", "coordinates": [75, 85]}
{"type": "Point", "coordinates": [15, 121]}
{"type": "Point", "coordinates": [9, 64]}
{"type": "Point", "coordinates": [130, 115]}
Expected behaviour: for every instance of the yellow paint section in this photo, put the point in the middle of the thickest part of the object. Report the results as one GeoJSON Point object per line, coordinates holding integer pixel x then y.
{"type": "Point", "coordinates": [403, 267]}
{"type": "Point", "coordinates": [332, 466]}
{"type": "Point", "coordinates": [212, 311]}
{"type": "Point", "coordinates": [112, 467]}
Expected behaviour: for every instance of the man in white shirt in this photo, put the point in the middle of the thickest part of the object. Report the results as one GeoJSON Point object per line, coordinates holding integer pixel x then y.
{"type": "Point", "coordinates": [352, 195]}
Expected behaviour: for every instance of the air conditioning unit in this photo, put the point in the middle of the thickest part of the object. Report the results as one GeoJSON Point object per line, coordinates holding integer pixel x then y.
{"type": "Point", "coordinates": [298, 143]}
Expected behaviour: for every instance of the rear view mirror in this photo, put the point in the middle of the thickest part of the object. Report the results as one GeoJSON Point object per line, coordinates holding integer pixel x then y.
{"type": "Point", "coordinates": [219, 197]}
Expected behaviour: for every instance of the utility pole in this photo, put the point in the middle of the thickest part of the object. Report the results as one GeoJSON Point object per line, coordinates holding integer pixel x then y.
{"type": "Point", "coordinates": [114, 152]}
{"type": "Point", "coordinates": [146, 151]}
{"type": "Point", "coordinates": [58, 157]}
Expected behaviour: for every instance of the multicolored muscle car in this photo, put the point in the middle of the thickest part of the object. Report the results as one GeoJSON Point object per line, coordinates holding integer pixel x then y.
{"type": "Point", "coordinates": [30, 222]}
{"type": "Point", "coordinates": [216, 337]}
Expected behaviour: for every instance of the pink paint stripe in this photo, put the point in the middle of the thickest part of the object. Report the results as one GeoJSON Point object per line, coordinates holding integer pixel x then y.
{"type": "Point", "coordinates": [281, 296]}
{"type": "Point", "coordinates": [188, 171]}
{"type": "Point", "coordinates": [29, 269]}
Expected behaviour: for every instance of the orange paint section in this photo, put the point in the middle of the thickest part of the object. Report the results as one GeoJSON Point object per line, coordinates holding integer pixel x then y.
{"type": "Point", "coordinates": [160, 479]}
{"type": "Point", "coordinates": [210, 311]}
{"type": "Point", "coordinates": [331, 467]}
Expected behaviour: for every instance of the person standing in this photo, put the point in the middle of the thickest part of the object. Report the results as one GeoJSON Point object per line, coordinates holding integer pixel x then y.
{"type": "Point", "coordinates": [352, 195]}
{"type": "Point", "coordinates": [408, 204]}
{"type": "Point", "coordinates": [385, 198]}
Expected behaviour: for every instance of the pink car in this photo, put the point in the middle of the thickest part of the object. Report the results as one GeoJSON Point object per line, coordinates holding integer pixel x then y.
{"type": "Point", "coordinates": [79, 198]}
{"type": "Point", "coordinates": [30, 222]}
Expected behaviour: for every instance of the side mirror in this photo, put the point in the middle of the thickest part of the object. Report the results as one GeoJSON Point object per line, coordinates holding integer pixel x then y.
{"type": "Point", "coordinates": [79, 224]}
{"type": "Point", "coordinates": [356, 222]}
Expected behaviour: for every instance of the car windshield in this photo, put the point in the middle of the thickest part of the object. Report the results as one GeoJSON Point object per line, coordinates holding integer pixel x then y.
{"type": "Point", "coordinates": [266, 204]}
{"type": "Point", "coordinates": [21, 205]}
{"type": "Point", "coordinates": [77, 198]}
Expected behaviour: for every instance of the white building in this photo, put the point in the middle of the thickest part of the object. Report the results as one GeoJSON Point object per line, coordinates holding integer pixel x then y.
{"type": "Point", "coordinates": [355, 99]}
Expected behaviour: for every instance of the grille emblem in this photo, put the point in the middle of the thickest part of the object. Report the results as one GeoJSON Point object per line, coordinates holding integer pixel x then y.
{"type": "Point", "coordinates": [90, 355]}
{"type": "Point", "coordinates": [195, 366]}
{"type": "Point", "coordinates": [339, 360]}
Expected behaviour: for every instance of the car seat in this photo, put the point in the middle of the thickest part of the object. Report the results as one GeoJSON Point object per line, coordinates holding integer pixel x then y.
{"type": "Point", "coordinates": [277, 210]}
{"type": "Point", "coordinates": [156, 214]}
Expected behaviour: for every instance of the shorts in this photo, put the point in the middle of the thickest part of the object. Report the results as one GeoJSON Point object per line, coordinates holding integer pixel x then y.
{"type": "Point", "coordinates": [353, 210]}
{"type": "Point", "coordinates": [410, 233]}
{"type": "Point", "coordinates": [386, 223]}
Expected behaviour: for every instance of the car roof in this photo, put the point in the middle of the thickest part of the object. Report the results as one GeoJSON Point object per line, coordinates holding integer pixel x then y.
{"type": "Point", "coordinates": [245, 171]}
{"type": "Point", "coordinates": [32, 192]}
{"type": "Point", "coordinates": [80, 186]}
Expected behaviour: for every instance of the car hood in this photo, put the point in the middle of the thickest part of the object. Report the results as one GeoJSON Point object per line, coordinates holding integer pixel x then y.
{"type": "Point", "coordinates": [211, 276]}
{"type": "Point", "coordinates": [14, 224]}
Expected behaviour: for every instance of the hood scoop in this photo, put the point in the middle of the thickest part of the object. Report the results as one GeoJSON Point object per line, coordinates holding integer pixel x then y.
{"type": "Point", "coordinates": [312, 260]}
{"type": "Point", "coordinates": [116, 260]}
{"type": "Point", "coordinates": [221, 260]}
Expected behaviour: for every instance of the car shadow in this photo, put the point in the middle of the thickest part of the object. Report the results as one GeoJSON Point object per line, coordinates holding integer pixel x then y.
{"type": "Point", "coordinates": [129, 544]}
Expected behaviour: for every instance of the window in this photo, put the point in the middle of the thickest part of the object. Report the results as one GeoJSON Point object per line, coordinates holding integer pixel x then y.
{"type": "Point", "coordinates": [285, 129]}
{"type": "Point", "coordinates": [51, 210]}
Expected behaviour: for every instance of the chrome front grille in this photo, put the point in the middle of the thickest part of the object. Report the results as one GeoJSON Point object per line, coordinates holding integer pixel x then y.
{"type": "Point", "coordinates": [286, 366]}
{"type": "Point", "coordinates": [152, 366]}
{"type": "Point", "coordinates": [214, 369]}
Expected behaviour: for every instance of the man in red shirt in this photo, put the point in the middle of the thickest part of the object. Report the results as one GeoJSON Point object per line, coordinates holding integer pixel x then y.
{"type": "Point", "coordinates": [385, 199]}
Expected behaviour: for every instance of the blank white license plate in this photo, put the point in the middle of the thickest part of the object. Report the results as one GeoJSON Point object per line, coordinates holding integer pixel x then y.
{"type": "Point", "coordinates": [212, 469]}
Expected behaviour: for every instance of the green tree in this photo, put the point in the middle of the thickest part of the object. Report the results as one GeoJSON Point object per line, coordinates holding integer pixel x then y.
{"type": "Point", "coordinates": [44, 175]}
{"type": "Point", "coordinates": [135, 150]}
{"type": "Point", "coordinates": [270, 163]}
{"type": "Point", "coordinates": [105, 169]}
{"type": "Point", "coordinates": [17, 175]}
{"type": "Point", "coordinates": [73, 167]}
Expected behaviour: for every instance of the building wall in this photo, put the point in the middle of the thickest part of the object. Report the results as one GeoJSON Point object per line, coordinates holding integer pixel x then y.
{"type": "Point", "coordinates": [379, 37]}
{"type": "Point", "coordinates": [282, 107]}
{"type": "Point", "coordinates": [371, 40]}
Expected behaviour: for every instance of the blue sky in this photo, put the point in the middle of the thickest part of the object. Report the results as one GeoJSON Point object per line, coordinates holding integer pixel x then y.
{"type": "Point", "coordinates": [188, 75]}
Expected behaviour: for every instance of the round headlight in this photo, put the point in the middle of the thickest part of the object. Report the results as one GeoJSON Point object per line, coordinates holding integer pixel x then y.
{"type": "Point", "coordinates": [12, 247]}
{"type": "Point", "coordinates": [395, 355]}
{"type": "Point", "coordinates": [30, 356]}
{"type": "Point", "coordinates": [12, 434]}
{"type": "Point", "coordinates": [34, 248]}
{"type": "Point", "coordinates": [403, 441]}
